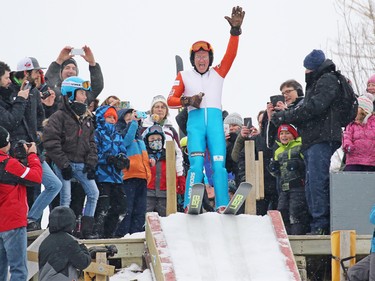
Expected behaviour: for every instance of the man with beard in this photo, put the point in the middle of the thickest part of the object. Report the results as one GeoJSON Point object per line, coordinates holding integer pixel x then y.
{"type": "Point", "coordinates": [22, 96]}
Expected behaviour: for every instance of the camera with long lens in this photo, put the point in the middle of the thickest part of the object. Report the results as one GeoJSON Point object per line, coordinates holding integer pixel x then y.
{"type": "Point", "coordinates": [19, 150]}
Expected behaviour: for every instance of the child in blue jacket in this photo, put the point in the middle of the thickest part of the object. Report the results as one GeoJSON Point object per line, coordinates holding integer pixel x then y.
{"type": "Point", "coordinates": [111, 161]}
{"type": "Point", "coordinates": [137, 177]}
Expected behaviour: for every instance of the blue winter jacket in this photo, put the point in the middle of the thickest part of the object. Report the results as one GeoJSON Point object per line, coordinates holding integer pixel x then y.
{"type": "Point", "coordinates": [109, 142]}
{"type": "Point", "coordinates": [135, 147]}
{"type": "Point", "coordinates": [372, 220]}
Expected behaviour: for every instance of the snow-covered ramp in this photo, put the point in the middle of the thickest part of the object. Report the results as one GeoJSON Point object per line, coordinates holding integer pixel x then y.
{"type": "Point", "coordinates": [222, 247]}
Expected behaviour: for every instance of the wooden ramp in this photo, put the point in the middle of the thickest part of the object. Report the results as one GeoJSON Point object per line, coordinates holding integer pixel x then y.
{"type": "Point", "coordinates": [32, 255]}
{"type": "Point", "coordinates": [232, 249]}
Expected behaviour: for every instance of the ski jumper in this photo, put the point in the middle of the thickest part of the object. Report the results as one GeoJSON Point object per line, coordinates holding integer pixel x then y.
{"type": "Point", "coordinates": [205, 125]}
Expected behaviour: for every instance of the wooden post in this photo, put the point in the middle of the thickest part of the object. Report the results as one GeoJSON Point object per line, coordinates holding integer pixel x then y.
{"type": "Point", "coordinates": [171, 178]}
{"type": "Point", "coordinates": [257, 190]}
{"type": "Point", "coordinates": [261, 174]}
{"type": "Point", "coordinates": [344, 251]}
{"type": "Point", "coordinates": [250, 205]}
{"type": "Point", "coordinates": [343, 246]}
{"type": "Point", "coordinates": [99, 268]}
{"type": "Point", "coordinates": [101, 258]}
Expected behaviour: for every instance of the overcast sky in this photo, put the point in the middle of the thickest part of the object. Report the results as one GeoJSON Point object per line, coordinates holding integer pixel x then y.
{"type": "Point", "coordinates": [135, 42]}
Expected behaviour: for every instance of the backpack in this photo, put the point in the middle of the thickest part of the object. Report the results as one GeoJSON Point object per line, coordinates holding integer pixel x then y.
{"type": "Point", "coordinates": [347, 103]}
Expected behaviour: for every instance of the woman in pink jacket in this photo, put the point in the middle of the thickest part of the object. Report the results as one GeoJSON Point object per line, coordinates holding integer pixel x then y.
{"type": "Point", "coordinates": [359, 139]}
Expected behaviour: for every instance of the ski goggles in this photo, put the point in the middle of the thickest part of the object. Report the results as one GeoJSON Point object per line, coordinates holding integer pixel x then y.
{"type": "Point", "coordinates": [85, 85]}
{"type": "Point", "coordinates": [201, 45]}
{"type": "Point", "coordinates": [155, 129]}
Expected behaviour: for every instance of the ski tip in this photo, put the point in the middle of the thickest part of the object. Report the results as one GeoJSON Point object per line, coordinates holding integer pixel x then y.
{"type": "Point", "coordinates": [246, 183]}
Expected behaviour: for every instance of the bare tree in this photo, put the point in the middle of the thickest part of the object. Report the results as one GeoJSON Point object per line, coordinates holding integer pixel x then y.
{"type": "Point", "coordinates": [355, 46]}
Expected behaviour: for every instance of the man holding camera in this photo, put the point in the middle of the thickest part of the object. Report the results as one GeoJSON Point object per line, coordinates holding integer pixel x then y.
{"type": "Point", "coordinates": [14, 177]}
{"type": "Point", "coordinates": [21, 96]}
{"type": "Point", "coordinates": [66, 66]}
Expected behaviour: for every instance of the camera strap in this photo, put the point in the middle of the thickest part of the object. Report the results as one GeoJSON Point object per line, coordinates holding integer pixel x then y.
{"type": "Point", "coordinates": [27, 129]}
{"type": "Point", "coordinates": [6, 177]}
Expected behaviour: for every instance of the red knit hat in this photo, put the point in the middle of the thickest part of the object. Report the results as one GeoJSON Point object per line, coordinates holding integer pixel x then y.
{"type": "Point", "coordinates": [287, 127]}
{"type": "Point", "coordinates": [111, 112]}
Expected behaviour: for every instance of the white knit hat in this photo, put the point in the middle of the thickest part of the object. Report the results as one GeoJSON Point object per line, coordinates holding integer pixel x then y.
{"type": "Point", "coordinates": [234, 118]}
{"type": "Point", "coordinates": [365, 103]}
{"type": "Point", "coordinates": [158, 98]}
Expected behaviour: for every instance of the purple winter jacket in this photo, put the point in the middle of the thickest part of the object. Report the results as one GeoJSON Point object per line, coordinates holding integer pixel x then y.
{"type": "Point", "coordinates": [359, 143]}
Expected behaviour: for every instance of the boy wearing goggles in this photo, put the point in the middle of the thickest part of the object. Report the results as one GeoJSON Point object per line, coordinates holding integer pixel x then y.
{"type": "Point", "coordinates": [200, 90]}
{"type": "Point", "coordinates": [69, 142]}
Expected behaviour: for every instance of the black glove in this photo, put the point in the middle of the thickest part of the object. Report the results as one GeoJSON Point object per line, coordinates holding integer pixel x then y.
{"type": "Point", "coordinates": [83, 247]}
{"type": "Point", "coordinates": [292, 165]}
{"type": "Point", "coordinates": [274, 167]}
{"type": "Point", "coordinates": [90, 171]}
{"type": "Point", "coordinates": [235, 20]}
{"type": "Point", "coordinates": [67, 173]}
{"type": "Point", "coordinates": [111, 159]}
{"type": "Point", "coordinates": [194, 101]}
{"type": "Point", "coordinates": [122, 162]}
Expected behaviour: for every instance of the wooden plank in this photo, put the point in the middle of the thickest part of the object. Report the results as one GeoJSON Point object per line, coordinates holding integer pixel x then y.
{"type": "Point", "coordinates": [250, 204]}
{"type": "Point", "coordinates": [32, 255]}
{"type": "Point", "coordinates": [344, 250]}
{"type": "Point", "coordinates": [171, 178]}
{"type": "Point", "coordinates": [282, 238]}
{"type": "Point", "coordinates": [160, 258]}
{"type": "Point", "coordinates": [312, 245]}
{"type": "Point", "coordinates": [100, 269]}
{"type": "Point", "coordinates": [130, 250]}
{"type": "Point", "coordinates": [261, 174]}
{"type": "Point", "coordinates": [257, 179]}
{"type": "Point", "coordinates": [301, 264]}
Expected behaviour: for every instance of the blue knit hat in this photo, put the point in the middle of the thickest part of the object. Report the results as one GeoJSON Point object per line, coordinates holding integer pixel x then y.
{"type": "Point", "coordinates": [313, 60]}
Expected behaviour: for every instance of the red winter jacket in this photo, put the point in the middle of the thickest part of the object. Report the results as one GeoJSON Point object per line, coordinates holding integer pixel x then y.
{"type": "Point", "coordinates": [158, 176]}
{"type": "Point", "coordinates": [159, 179]}
{"type": "Point", "coordinates": [13, 199]}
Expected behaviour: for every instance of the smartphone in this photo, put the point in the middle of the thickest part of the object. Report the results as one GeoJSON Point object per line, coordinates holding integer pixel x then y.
{"type": "Point", "coordinates": [27, 86]}
{"type": "Point", "coordinates": [77, 52]}
{"type": "Point", "coordinates": [141, 114]}
{"type": "Point", "coordinates": [248, 122]}
{"type": "Point", "coordinates": [45, 95]}
{"type": "Point", "coordinates": [226, 129]}
{"type": "Point", "coordinates": [276, 98]}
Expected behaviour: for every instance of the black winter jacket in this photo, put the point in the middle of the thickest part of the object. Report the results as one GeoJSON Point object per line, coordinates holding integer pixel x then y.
{"type": "Point", "coordinates": [67, 138]}
{"type": "Point", "coordinates": [60, 254]}
{"type": "Point", "coordinates": [318, 118]}
{"type": "Point", "coordinates": [11, 112]}
{"type": "Point", "coordinates": [24, 117]}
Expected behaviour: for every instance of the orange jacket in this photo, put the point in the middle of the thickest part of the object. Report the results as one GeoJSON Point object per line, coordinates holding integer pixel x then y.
{"type": "Point", "coordinates": [191, 82]}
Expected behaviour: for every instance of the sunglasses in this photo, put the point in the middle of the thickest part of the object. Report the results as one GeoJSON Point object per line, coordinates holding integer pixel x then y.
{"type": "Point", "coordinates": [201, 45]}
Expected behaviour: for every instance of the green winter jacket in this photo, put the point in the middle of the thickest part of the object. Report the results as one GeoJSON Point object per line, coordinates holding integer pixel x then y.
{"type": "Point", "coordinates": [292, 166]}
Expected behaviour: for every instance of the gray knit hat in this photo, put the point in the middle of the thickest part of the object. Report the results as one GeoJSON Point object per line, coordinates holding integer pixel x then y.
{"type": "Point", "coordinates": [234, 118]}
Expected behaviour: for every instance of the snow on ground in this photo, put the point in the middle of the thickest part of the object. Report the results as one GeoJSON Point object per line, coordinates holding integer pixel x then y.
{"type": "Point", "coordinates": [133, 272]}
